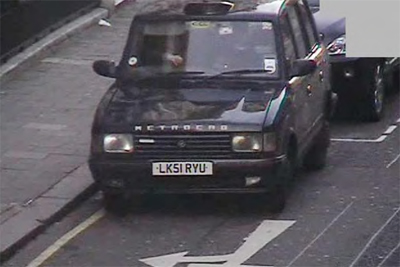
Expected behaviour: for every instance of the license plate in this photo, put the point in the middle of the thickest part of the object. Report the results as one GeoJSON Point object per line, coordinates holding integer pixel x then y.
{"type": "Point", "coordinates": [182, 168]}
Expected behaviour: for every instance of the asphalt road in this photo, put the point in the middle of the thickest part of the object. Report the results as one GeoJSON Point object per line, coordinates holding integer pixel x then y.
{"type": "Point", "coordinates": [345, 215]}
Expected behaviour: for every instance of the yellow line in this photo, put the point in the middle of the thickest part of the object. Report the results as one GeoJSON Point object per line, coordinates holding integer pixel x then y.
{"type": "Point", "coordinates": [45, 255]}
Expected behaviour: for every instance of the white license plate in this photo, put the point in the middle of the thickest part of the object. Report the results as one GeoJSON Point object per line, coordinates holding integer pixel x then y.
{"type": "Point", "coordinates": [182, 168]}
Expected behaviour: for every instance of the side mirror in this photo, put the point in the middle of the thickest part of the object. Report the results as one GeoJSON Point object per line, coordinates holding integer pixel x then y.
{"type": "Point", "coordinates": [105, 68]}
{"type": "Point", "coordinates": [302, 67]}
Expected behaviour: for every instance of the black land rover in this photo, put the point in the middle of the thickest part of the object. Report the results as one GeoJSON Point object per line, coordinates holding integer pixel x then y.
{"type": "Point", "coordinates": [212, 98]}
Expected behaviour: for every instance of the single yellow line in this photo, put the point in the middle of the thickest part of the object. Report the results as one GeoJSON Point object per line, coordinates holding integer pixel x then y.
{"type": "Point", "coordinates": [45, 255]}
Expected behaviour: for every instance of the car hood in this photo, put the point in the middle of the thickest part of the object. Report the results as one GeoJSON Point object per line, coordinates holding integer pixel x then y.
{"type": "Point", "coordinates": [329, 25]}
{"type": "Point", "coordinates": [198, 108]}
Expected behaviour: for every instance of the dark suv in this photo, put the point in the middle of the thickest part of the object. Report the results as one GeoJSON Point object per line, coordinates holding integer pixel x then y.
{"type": "Point", "coordinates": [213, 98]}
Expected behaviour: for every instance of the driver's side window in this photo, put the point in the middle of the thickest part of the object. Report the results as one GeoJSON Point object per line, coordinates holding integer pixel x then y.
{"type": "Point", "coordinates": [297, 31]}
{"type": "Point", "coordinates": [287, 36]}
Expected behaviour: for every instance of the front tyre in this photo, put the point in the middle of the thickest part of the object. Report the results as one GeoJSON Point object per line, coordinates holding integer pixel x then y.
{"type": "Point", "coordinates": [316, 157]}
{"type": "Point", "coordinates": [277, 199]}
{"type": "Point", "coordinates": [278, 194]}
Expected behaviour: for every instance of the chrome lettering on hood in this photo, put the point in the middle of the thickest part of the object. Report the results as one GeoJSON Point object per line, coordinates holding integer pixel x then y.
{"type": "Point", "coordinates": [186, 127]}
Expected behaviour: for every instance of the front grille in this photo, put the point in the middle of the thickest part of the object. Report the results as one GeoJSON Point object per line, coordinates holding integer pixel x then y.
{"type": "Point", "coordinates": [195, 146]}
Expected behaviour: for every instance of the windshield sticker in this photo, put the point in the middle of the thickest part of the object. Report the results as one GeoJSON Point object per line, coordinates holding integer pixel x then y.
{"type": "Point", "coordinates": [200, 24]}
{"type": "Point", "coordinates": [267, 26]}
{"type": "Point", "coordinates": [270, 65]}
{"type": "Point", "coordinates": [225, 30]}
{"type": "Point", "coordinates": [132, 61]}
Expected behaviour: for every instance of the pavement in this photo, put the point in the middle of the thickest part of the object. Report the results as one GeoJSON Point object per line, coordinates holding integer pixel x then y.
{"type": "Point", "coordinates": [48, 98]}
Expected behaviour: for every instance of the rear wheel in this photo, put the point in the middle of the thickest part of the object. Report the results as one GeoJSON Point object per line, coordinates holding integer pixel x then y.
{"type": "Point", "coordinates": [372, 108]}
{"type": "Point", "coordinates": [396, 80]}
{"type": "Point", "coordinates": [316, 157]}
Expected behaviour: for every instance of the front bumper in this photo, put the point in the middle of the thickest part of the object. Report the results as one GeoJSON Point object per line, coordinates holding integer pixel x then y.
{"type": "Point", "coordinates": [229, 176]}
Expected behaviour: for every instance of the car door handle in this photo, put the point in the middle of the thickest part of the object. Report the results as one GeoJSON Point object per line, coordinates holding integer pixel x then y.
{"type": "Point", "coordinates": [309, 89]}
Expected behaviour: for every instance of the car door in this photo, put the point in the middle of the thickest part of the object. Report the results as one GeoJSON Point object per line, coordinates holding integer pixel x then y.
{"type": "Point", "coordinates": [317, 81]}
{"type": "Point", "coordinates": [291, 28]}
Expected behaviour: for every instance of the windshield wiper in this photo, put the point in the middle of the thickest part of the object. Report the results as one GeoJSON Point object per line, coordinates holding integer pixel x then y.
{"type": "Point", "coordinates": [151, 75]}
{"type": "Point", "coordinates": [242, 71]}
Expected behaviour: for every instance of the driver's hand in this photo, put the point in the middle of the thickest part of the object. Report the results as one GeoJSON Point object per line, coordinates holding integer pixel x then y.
{"type": "Point", "coordinates": [176, 60]}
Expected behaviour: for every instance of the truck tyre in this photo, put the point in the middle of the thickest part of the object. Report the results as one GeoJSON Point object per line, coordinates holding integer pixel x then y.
{"type": "Point", "coordinates": [316, 157]}
{"type": "Point", "coordinates": [372, 108]}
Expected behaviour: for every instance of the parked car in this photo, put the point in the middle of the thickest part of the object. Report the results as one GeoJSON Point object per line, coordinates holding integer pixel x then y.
{"type": "Point", "coordinates": [213, 98]}
{"type": "Point", "coordinates": [360, 82]}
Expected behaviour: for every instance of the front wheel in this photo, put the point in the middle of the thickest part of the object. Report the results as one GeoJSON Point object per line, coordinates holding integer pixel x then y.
{"type": "Point", "coordinates": [286, 173]}
{"type": "Point", "coordinates": [277, 199]}
{"type": "Point", "coordinates": [316, 157]}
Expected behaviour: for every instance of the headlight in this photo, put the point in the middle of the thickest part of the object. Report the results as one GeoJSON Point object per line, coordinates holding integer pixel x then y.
{"type": "Point", "coordinates": [247, 143]}
{"type": "Point", "coordinates": [338, 46]}
{"type": "Point", "coordinates": [254, 142]}
{"type": "Point", "coordinates": [118, 143]}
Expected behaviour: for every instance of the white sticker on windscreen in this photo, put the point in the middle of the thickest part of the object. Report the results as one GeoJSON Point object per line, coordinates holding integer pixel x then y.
{"type": "Point", "coordinates": [267, 26]}
{"type": "Point", "coordinates": [270, 65]}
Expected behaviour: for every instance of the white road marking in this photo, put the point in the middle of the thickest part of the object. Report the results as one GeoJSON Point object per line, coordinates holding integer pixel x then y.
{"type": "Point", "coordinates": [380, 139]}
{"type": "Point", "coordinates": [377, 140]}
{"type": "Point", "coordinates": [117, 2]}
{"type": "Point", "coordinates": [171, 260]}
{"type": "Point", "coordinates": [389, 255]}
{"type": "Point", "coordinates": [213, 265]}
{"type": "Point", "coordinates": [320, 234]}
{"type": "Point", "coordinates": [104, 22]}
{"type": "Point", "coordinates": [265, 233]}
{"type": "Point", "coordinates": [393, 60]}
{"type": "Point", "coordinates": [50, 251]}
{"type": "Point", "coordinates": [390, 129]}
{"type": "Point", "coordinates": [373, 238]}
{"type": "Point", "coordinates": [393, 161]}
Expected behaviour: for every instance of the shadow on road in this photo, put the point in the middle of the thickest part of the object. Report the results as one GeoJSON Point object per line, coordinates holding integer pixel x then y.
{"type": "Point", "coordinates": [201, 205]}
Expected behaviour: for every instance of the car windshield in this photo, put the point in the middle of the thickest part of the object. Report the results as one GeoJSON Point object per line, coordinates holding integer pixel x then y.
{"type": "Point", "coordinates": [205, 47]}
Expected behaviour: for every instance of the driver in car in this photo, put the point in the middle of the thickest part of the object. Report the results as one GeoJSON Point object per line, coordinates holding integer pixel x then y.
{"type": "Point", "coordinates": [174, 59]}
